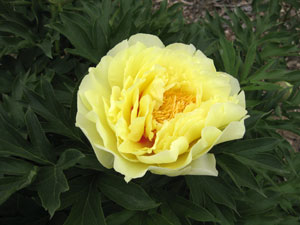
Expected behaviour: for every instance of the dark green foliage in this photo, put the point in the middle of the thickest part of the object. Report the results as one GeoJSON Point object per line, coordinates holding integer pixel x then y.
{"type": "Point", "coordinates": [48, 171]}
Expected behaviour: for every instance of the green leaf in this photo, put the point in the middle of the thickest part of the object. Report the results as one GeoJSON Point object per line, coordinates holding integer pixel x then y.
{"type": "Point", "coordinates": [186, 208]}
{"type": "Point", "coordinates": [130, 196]}
{"type": "Point", "coordinates": [252, 146]}
{"type": "Point", "coordinates": [12, 166]}
{"type": "Point", "coordinates": [11, 184]}
{"type": "Point", "coordinates": [213, 187]}
{"type": "Point", "coordinates": [51, 182]}
{"type": "Point", "coordinates": [119, 218]}
{"type": "Point", "coordinates": [169, 214]}
{"type": "Point", "coordinates": [157, 220]}
{"type": "Point", "coordinates": [13, 143]}
{"type": "Point", "coordinates": [239, 173]}
{"type": "Point", "coordinates": [87, 209]}
{"type": "Point", "coordinates": [250, 58]}
{"type": "Point", "coordinates": [51, 110]}
{"type": "Point", "coordinates": [69, 158]}
{"type": "Point", "coordinates": [41, 145]}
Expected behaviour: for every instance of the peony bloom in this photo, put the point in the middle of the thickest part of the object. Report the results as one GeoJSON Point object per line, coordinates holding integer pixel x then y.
{"type": "Point", "coordinates": [150, 107]}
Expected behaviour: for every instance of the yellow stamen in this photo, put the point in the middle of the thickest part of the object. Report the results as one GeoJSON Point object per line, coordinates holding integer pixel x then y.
{"type": "Point", "coordinates": [173, 102]}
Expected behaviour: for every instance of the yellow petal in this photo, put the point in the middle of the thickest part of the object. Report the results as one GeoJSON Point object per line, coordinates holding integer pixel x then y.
{"type": "Point", "coordinates": [189, 49]}
{"type": "Point", "coordinates": [118, 48]}
{"type": "Point", "coordinates": [234, 130]}
{"type": "Point", "coordinates": [221, 114]}
{"type": "Point", "coordinates": [148, 40]}
{"type": "Point", "coordinates": [178, 146]}
{"type": "Point", "coordinates": [204, 165]}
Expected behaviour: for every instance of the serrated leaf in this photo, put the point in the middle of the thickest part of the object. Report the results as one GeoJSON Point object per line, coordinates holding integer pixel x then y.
{"type": "Point", "coordinates": [130, 196]}
{"type": "Point", "coordinates": [87, 209]}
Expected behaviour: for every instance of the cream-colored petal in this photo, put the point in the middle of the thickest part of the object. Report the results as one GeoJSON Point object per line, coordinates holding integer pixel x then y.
{"type": "Point", "coordinates": [209, 136]}
{"type": "Point", "coordinates": [235, 130]}
{"type": "Point", "coordinates": [106, 158]}
{"type": "Point", "coordinates": [189, 49]}
{"type": "Point", "coordinates": [178, 146]}
{"type": "Point", "coordinates": [148, 40]}
{"type": "Point", "coordinates": [118, 48]}
{"type": "Point", "coordinates": [89, 129]}
{"type": "Point", "coordinates": [129, 169]}
{"type": "Point", "coordinates": [108, 136]}
{"type": "Point", "coordinates": [221, 114]}
{"type": "Point", "coordinates": [204, 165]}
{"type": "Point", "coordinates": [241, 98]}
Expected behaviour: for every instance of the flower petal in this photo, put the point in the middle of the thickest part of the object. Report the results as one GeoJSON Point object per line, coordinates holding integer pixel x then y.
{"type": "Point", "coordinates": [148, 40]}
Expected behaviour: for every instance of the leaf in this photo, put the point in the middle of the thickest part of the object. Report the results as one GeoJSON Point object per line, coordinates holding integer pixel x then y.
{"type": "Point", "coordinates": [51, 110]}
{"type": "Point", "coordinates": [41, 145]}
{"type": "Point", "coordinates": [169, 214]}
{"type": "Point", "coordinates": [12, 166]}
{"type": "Point", "coordinates": [130, 196]}
{"type": "Point", "coordinates": [213, 187]}
{"type": "Point", "coordinates": [252, 146]}
{"type": "Point", "coordinates": [69, 158]}
{"type": "Point", "coordinates": [87, 210]}
{"type": "Point", "coordinates": [90, 162]}
{"type": "Point", "coordinates": [186, 208]}
{"type": "Point", "coordinates": [51, 182]}
{"type": "Point", "coordinates": [119, 218]}
{"type": "Point", "coordinates": [239, 173]}
{"type": "Point", "coordinates": [11, 184]}
{"type": "Point", "coordinates": [156, 219]}
{"type": "Point", "coordinates": [250, 58]}
{"type": "Point", "coordinates": [13, 143]}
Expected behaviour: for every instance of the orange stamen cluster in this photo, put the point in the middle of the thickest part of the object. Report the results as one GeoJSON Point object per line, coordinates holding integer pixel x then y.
{"type": "Point", "coordinates": [173, 102]}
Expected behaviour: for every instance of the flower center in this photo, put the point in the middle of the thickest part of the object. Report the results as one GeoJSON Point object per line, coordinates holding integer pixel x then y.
{"type": "Point", "coordinates": [173, 102]}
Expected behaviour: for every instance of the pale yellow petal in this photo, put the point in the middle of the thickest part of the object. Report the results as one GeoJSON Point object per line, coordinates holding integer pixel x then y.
{"type": "Point", "coordinates": [235, 130]}
{"type": "Point", "coordinates": [148, 40]}
{"type": "Point", "coordinates": [189, 49]}
{"type": "Point", "coordinates": [178, 146]}
{"type": "Point", "coordinates": [118, 48]}
{"type": "Point", "coordinates": [204, 165]}
{"type": "Point", "coordinates": [89, 129]}
{"type": "Point", "coordinates": [221, 114]}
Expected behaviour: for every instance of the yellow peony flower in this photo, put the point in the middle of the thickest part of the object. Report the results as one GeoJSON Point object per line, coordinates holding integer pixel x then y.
{"type": "Point", "coordinates": [150, 107]}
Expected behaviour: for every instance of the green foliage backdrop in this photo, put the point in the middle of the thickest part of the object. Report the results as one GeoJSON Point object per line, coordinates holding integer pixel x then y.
{"type": "Point", "coordinates": [48, 172]}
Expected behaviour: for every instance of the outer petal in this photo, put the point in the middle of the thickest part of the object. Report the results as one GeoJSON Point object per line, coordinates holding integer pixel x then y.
{"type": "Point", "coordinates": [118, 48]}
{"type": "Point", "coordinates": [189, 49]}
{"type": "Point", "coordinates": [148, 40]}
{"type": "Point", "coordinates": [129, 169]}
{"type": "Point", "coordinates": [204, 165]}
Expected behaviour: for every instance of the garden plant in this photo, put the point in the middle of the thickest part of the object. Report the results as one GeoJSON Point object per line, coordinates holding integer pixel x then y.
{"type": "Point", "coordinates": [49, 172]}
